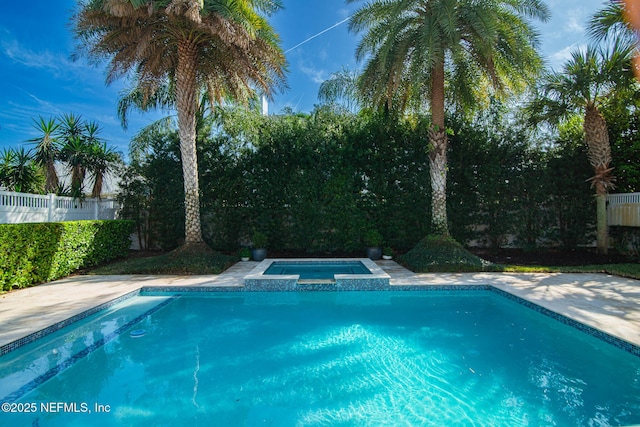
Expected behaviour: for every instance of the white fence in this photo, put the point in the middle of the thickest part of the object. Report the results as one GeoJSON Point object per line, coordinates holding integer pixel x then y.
{"type": "Point", "coordinates": [21, 207]}
{"type": "Point", "coordinates": [623, 209]}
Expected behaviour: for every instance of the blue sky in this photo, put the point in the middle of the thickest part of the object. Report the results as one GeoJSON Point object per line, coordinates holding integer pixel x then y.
{"type": "Point", "coordinates": [39, 79]}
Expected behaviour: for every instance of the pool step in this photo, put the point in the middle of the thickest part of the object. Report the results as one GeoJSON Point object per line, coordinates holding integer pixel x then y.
{"type": "Point", "coordinates": [316, 281]}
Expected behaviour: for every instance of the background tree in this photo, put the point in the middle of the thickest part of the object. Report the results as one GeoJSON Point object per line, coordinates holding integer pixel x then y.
{"type": "Point", "coordinates": [341, 88]}
{"type": "Point", "coordinates": [19, 172]}
{"type": "Point", "coordinates": [229, 47]}
{"type": "Point", "coordinates": [609, 24]}
{"type": "Point", "coordinates": [102, 160]}
{"type": "Point", "coordinates": [589, 81]}
{"type": "Point", "coordinates": [47, 151]}
{"type": "Point", "coordinates": [75, 153]}
{"type": "Point", "coordinates": [83, 150]}
{"type": "Point", "coordinates": [415, 49]}
{"type": "Point", "coordinates": [618, 22]}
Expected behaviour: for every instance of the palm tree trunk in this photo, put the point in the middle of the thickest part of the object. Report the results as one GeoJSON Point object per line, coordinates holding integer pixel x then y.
{"type": "Point", "coordinates": [77, 180]}
{"type": "Point", "coordinates": [599, 153]}
{"type": "Point", "coordinates": [51, 184]}
{"type": "Point", "coordinates": [438, 155]}
{"type": "Point", "coordinates": [97, 185]}
{"type": "Point", "coordinates": [186, 103]}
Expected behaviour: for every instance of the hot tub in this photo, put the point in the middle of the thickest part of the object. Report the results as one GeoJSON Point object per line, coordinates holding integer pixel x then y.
{"type": "Point", "coordinates": [295, 274]}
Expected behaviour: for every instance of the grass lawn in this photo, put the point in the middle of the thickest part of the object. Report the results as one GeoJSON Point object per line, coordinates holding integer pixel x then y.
{"type": "Point", "coordinates": [630, 270]}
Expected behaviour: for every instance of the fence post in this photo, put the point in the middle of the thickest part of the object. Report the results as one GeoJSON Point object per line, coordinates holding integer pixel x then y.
{"type": "Point", "coordinates": [51, 206]}
{"type": "Point", "coordinates": [96, 208]}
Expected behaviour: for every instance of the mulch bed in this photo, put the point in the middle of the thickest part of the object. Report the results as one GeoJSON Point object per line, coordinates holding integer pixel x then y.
{"type": "Point", "coordinates": [550, 257]}
{"type": "Point", "coordinates": [546, 257]}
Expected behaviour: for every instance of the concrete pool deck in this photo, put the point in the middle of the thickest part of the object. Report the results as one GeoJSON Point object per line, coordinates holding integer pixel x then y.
{"type": "Point", "coordinates": [608, 303]}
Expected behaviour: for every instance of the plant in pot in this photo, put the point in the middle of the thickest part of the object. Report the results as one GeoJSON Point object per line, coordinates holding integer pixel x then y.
{"type": "Point", "coordinates": [387, 252]}
{"type": "Point", "coordinates": [245, 254]}
{"type": "Point", "coordinates": [259, 251]}
{"type": "Point", "coordinates": [373, 242]}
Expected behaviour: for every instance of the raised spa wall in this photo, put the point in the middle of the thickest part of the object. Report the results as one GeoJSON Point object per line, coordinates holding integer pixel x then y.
{"type": "Point", "coordinates": [256, 280]}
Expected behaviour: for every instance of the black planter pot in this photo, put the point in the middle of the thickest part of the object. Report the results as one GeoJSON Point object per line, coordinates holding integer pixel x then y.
{"type": "Point", "coordinates": [374, 253]}
{"type": "Point", "coordinates": [258, 254]}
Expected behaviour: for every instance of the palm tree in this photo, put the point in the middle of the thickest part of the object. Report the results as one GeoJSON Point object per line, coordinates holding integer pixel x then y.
{"type": "Point", "coordinates": [76, 153]}
{"type": "Point", "coordinates": [163, 97]}
{"type": "Point", "coordinates": [99, 158]}
{"type": "Point", "coordinates": [74, 149]}
{"type": "Point", "coordinates": [341, 88]}
{"type": "Point", "coordinates": [610, 23]}
{"type": "Point", "coordinates": [71, 125]}
{"type": "Point", "coordinates": [618, 22]}
{"type": "Point", "coordinates": [101, 162]}
{"type": "Point", "coordinates": [6, 160]}
{"type": "Point", "coordinates": [47, 151]}
{"type": "Point", "coordinates": [416, 50]}
{"type": "Point", "coordinates": [229, 47]}
{"type": "Point", "coordinates": [19, 172]}
{"type": "Point", "coordinates": [588, 81]}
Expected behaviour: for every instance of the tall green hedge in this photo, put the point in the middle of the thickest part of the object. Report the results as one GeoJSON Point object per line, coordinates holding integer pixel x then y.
{"type": "Point", "coordinates": [317, 183]}
{"type": "Point", "coordinates": [40, 252]}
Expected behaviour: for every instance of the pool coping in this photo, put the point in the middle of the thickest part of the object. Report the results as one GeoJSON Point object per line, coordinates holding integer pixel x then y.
{"type": "Point", "coordinates": [174, 291]}
{"type": "Point", "coordinates": [40, 379]}
{"type": "Point", "coordinates": [34, 336]}
{"type": "Point", "coordinates": [605, 306]}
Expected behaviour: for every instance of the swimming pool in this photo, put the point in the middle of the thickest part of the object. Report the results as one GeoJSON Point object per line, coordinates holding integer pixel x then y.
{"type": "Point", "coordinates": [316, 269]}
{"type": "Point", "coordinates": [328, 358]}
{"type": "Point", "coordinates": [343, 274]}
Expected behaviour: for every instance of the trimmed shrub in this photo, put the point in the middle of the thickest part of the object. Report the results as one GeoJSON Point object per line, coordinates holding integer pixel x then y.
{"type": "Point", "coordinates": [40, 252]}
{"type": "Point", "coordinates": [440, 253]}
{"type": "Point", "coordinates": [626, 241]}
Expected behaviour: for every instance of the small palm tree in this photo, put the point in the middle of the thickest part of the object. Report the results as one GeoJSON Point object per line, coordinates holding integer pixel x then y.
{"type": "Point", "coordinates": [101, 161]}
{"type": "Point", "coordinates": [71, 125]}
{"type": "Point", "coordinates": [19, 172]}
{"type": "Point", "coordinates": [588, 81]}
{"type": "Point", "coordinates": [7, 160]}
{"type": "Point", "coordinates": [76, 153]}
{"type": "Point", "coordinates": [74, 149]}
{"type": "Point", "coordinates": [47, 151]}
{"type": "Point", "coordinates": [341, 88]}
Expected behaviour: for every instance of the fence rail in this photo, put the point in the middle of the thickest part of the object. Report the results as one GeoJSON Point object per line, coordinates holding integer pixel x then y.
{"type": "Point", "coordinates": [22, 207]}
{"type": "Point", "coordinates": [623, 209]}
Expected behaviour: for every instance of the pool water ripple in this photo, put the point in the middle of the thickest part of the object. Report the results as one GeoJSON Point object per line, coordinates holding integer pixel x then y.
{"type": "Point", "coordinates": [349, 359]}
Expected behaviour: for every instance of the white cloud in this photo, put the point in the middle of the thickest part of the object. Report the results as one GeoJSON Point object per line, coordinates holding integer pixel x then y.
{"type": "Point", "coordinates": [323, 55]}
{"type": "Point", "coordinates": [343, 13]}
{"type": "Point", "coordinates": [575, 21]}
{"type": "Point", "coordinates": [42, 60]}
{"type": "Point", "coordinates": [59, 64]}
{"type": "Point", "coordinates": [316, 75]}
{"type": "Point", "coordinates": [559, 58]}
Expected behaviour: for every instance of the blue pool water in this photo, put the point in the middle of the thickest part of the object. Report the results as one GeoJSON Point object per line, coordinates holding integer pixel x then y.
{"type": "Point", "coordinates": [316, 269]}
{"type": "Point", "coordinates": [334, 358]}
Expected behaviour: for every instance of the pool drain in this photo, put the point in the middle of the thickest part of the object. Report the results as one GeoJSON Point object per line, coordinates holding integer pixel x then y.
{"type": "Point", "coordinates": [137, 333]}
